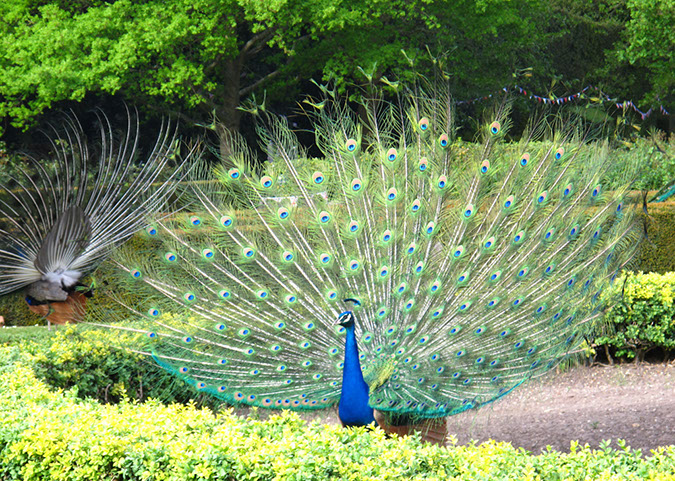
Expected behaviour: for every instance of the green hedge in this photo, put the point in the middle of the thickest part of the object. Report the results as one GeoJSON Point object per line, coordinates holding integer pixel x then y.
{"type": "Point", "coordinates": [93, 363]}
{"type": "Point", "coordinates": [657, 159]}
{"type": "Point", "coordinates": [643, 319]}
{"type": "Point", "coordinates": [656, 252]}
{"type": "Point", "coordinates": [47, 435]}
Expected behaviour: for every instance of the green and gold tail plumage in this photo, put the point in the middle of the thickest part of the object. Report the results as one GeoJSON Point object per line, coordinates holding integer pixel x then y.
{"type": "Point", "coordinates": [475, 271]}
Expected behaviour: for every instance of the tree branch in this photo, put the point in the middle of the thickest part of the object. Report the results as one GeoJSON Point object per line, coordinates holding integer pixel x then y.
{"type": "Point", "coordinates": [253, 45]}
{"type": "Point", "coordinates": [254, 85]}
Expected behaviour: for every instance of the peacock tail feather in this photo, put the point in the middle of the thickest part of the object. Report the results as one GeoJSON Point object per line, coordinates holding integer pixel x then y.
{"type": "Point", "coordinates": [472, 276]}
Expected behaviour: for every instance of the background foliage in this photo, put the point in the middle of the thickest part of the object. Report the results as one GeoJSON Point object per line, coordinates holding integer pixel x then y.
{"type": "Point", "coordinates": [200, 59]}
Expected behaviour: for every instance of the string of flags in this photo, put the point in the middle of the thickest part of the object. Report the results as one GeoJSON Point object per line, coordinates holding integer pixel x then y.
{"type": "Point", "coordinates": [570, 98]}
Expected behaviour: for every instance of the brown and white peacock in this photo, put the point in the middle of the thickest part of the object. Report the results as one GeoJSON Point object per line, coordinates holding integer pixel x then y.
{"type": "Point", "coordinates": [60, 217]}
{"type": "Point", "coordinates": [400, 275]}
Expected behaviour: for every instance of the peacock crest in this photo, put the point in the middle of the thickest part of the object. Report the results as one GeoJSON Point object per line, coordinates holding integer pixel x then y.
{"type": "Point", "coordinates": [469, 273]}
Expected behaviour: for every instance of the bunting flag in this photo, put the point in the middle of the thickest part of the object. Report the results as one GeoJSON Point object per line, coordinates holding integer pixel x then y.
{"type": "Point", "coordinates": [570, 98]}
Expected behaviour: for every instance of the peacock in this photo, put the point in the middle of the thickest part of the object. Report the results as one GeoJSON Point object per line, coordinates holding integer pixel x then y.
{"type": "Point", "coordinates": [402, 275]}
{"type": "Point", "coordinates": [59, 218]}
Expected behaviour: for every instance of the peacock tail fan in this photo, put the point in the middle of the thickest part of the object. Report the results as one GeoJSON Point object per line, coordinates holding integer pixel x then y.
{"type": "Point", "coordinates": [60, 216]}
{"type": "Point", "coordinates": [474, 272]}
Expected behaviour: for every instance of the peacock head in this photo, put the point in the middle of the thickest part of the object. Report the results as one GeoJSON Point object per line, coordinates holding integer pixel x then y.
{"type": "Point", "coordinates": [346, 319]}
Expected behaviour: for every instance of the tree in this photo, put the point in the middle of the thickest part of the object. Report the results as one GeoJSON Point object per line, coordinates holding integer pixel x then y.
{"type": "Point", "coordinates": [196, 57]}
{"type": "Point", "coordinates": [649, 44]}
{"type": "Point", "coordinates": [200, 58]}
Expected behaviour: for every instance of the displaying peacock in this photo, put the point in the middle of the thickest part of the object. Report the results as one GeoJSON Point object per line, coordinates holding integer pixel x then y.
{"type": "Point", "coordinates": [59, 218]}
{"type": "Point", "coordinates": [401, 275]}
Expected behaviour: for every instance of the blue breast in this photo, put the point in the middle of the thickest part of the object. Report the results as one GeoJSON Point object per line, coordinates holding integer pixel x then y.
{"type": "Point", "coordinates": [353, 408]}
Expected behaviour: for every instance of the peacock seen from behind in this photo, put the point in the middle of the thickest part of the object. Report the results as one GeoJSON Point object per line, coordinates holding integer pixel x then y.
{"type": "Point", "coordinates": [60, 217]}
{"type": "Point", "coordinates": [400, 275]}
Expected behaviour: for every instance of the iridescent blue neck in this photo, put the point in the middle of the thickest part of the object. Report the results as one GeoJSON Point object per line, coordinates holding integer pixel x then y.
{"type": "Point", "coordinates": [353, 408]}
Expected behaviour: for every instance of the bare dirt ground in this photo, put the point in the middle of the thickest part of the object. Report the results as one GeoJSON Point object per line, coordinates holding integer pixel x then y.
{"type": "Point", "coordinates": [587, 404]}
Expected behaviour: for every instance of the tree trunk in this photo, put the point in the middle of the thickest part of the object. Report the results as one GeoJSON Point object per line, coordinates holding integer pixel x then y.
{"type": "Point", "coordinates": [609, 356]}
{"type": "Point", "coordinates": [639, 356]}
{"type": "Point", "coordinates": [229, 117]}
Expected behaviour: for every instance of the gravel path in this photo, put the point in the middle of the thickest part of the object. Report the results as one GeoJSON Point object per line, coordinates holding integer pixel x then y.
{"type": "Point", "coordinates": [587, 404]}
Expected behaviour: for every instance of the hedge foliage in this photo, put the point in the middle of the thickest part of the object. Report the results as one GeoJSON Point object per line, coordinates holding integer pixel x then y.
{"type": "Point", "coordinates": [93, 363]}
{"type": "Point", "coordinates": [657, 158]}
{"type": "Point", "coordinates": [656, 251]}
{"type": "Point", "coordinates": [642, 318]}
{"type": "Point", "coordinates": [54, 435]}
{"type": "Point", "coordinates": [17, 335]}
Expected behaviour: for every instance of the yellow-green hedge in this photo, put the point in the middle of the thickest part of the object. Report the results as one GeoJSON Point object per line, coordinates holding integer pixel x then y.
{"type": "Point", "coordinates": [642, 316]}
{"type": "Point", "coordinates": [47, 435]}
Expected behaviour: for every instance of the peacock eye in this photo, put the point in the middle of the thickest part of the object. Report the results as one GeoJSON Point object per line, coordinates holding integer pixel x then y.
{"type": "Point", "coordinates": [266, 182]}
{"type": "Point", "coordinates": [468, 211]}
{"type": "Point", "coordinates": [318, 177]}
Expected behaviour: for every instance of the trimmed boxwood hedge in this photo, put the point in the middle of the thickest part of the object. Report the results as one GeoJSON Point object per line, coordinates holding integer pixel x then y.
{"type": "Point", "coordinates": [54, 435]}
{"type": "Point", "coordinates": [656, 252]}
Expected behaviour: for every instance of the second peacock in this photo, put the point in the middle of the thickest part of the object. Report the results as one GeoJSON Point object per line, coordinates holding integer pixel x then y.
{"type": "Point", "coordinates": [399, 272]}
{"type": "Point", "coordinates": [60, 217]}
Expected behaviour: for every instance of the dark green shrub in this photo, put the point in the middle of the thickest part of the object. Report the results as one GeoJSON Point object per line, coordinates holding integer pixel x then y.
{"type": "Point", "coordinates": [14, 309]}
